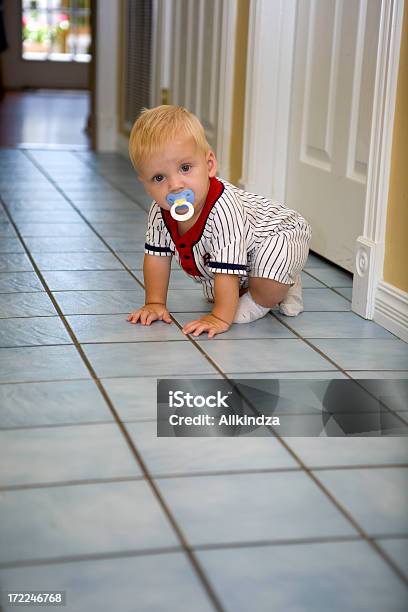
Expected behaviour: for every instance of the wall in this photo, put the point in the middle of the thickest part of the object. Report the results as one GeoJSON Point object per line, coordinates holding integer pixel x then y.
{"type": "Point", "coordinates": [396, 241]}
{"type": "Point", "coordinates": [241, 43]}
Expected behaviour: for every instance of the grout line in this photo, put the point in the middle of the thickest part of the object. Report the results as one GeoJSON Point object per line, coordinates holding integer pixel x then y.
{"type": "Point", "coordinates": [173, 549]}
{"type": "Point", "coordinates": [90, 557]}
{"type": "Point", "coordinates": [70, 483]}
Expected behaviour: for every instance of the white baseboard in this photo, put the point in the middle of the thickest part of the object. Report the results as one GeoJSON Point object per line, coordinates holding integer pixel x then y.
{"type": "Point", "coordinates": [391, 309]}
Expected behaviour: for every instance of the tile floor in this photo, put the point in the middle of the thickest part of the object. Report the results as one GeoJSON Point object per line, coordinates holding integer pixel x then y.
{"type": "Point", "coordinates": [93, 503]}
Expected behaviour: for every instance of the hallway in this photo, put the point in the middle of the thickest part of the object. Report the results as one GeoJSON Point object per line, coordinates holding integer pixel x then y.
{"type": "Point", "coordinates": [46, 117]}
{"type": "Point", "coordinates": [94, 504]}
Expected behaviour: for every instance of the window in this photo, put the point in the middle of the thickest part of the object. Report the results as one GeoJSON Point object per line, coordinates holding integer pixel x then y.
{"type": "Point", "coordinates": [56, 30]}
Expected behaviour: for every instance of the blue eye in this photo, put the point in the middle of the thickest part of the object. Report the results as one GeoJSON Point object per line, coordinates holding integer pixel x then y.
{"type": "Point", "coordinates": [185, 167]}
{"type": "Point", "coordinates": [158, 178]}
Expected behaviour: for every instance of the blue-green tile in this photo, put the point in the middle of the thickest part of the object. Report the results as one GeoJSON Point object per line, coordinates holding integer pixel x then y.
{"type": "Point", "coordinates": [58, 454]}
{"type": "Point", "coordinates": [41, 363]}
{"type": "Point", "coordinates": [376, 498]}
{"type": "Point", "coordinates": [316, 577]}
{"type": "Point", "coordinates": [26, 305]}
{"type": "Point", "coordinates": [80, 520]}
{"type": "Point", "coordinates": [52, 403]}
{"type": "Point", "coordinates": [149, 583]}
{"type": "Point", "coordinates": [32, 331]}
{"type": "Point", "coordinates": [252, 508]}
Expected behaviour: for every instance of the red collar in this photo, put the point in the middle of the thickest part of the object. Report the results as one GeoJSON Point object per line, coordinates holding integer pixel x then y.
{"type": "Point", "coordinates": [184, 244]}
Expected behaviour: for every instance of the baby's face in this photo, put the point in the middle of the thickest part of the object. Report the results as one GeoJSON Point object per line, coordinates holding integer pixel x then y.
{"type": "Point", "coordinates": [180, 165]}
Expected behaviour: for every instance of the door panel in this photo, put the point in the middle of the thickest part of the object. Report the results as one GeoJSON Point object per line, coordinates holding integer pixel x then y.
{"type": "Point", "coordinates": [335, 54]}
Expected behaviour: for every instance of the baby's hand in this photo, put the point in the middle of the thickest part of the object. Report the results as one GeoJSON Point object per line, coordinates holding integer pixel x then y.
{"type": "Point", "coordinates": [149, 313]}
{"type": "Point", "coordinates": [208, 323]}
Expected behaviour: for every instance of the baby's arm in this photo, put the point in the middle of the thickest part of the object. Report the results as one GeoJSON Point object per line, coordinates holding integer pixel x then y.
{"type": "Point", "coordinates": [156, 272]}
{"type": "Point", "coordinates": [226, 289]}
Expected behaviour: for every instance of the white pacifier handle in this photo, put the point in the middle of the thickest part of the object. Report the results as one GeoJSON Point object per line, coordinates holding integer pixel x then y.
{"type": "Point", "coordinates": [182, 216]}
{"type": "Point", "coordinates": [181, 199]}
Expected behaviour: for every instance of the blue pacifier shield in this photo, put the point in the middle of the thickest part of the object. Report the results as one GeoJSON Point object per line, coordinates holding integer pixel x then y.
{"type": "Point", "coordinates": [181, 205]}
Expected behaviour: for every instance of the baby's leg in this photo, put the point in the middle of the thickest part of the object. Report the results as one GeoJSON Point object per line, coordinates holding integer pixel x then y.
{"type": "Point", "coordinates": [263, 294]}
{"type": "Point", "coordinates": [267, 292]}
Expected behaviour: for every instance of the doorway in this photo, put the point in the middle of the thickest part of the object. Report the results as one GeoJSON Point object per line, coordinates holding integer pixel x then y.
{"type": "Point", "coordinates": [47, 73]}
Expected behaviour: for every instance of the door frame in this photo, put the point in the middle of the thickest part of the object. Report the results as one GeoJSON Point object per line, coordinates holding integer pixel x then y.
{"type": "Point", "coordinates": [266, 133]}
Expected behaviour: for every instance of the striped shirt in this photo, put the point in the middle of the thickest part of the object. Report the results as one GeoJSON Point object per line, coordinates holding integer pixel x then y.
{"type": "Point", "coordinates": [237, 232]}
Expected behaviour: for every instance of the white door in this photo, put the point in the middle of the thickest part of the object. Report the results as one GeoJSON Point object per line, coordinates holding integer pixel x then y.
{"type": "Point", "coordinates": [193, 55]}
{"type": "Point", "coordinates": [332, 99]}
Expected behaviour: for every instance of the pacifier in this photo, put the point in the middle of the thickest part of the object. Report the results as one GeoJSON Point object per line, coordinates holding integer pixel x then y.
{"type": "Point", "coordinates": [181, 205]}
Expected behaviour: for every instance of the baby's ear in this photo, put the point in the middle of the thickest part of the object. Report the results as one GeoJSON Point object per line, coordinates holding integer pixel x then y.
{"type": "Point", "coordinates": [211, 164]}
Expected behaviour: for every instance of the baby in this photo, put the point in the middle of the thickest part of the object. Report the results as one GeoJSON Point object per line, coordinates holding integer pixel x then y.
{"type": "Point", "coordinates": [246, 250]}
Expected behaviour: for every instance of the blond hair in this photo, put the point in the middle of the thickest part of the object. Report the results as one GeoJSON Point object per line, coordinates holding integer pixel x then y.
{"type": "Point", "coordinates": [156, 127]}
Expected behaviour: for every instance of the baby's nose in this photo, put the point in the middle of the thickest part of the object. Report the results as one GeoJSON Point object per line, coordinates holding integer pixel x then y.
{"type": "Point", "coordinates": [175, 185]}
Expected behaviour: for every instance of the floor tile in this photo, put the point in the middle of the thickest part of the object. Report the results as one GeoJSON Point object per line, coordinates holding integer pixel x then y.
{"type": "Point", "coordinates": [25, 305]}
{"type": "Point", "coordinates": [134, 215]}
{"type": "Point", "coordinates": [146, 359]}
{"type": "Point", "coordinates": [180, 280]}
{"type": "Point", "coordinates": [397, 549]}
{"type": "Point", "coordinates": [7, 230]}
{"type": "Point", "coordinates": [264, 355]}
{"type": "Point", "coordinates": [116, 328]}
{"type": "Point", "coordinates": [334, 374]}
{"type": "Point", "coordinates": [392, 390]}
{"type": "Point", "coordinates": [27, 282]}
{"type": "Point", "coordinates": [334, 325]}
{"type": "Point", "coordinates": [49, 216]}
{"type": "Point", "coordinates": [379, 374]}
{"type": "Point", "coordinates": [65, 245]}
{"type": "Point", "coordinates": [11, 245]}
{"type": "Point", "coordinates": [315, 261]}
{"type": "Point", "coordinates": [52, 403]}
{"type": "Point", "coordinates": [376, 498]}
{"type": "Point", "coordinates": [251, 508]}
{"type": "Point", "coordinates": [134, 398]}
{"type": "Point", "coordinates": [129, 230]}
{"type": "Point", "coordinates": [187, 301]}
{"type": "Point", "coordinates": [62, 230]}
{"type": "Point", "coordinates": [84, 190]}
{"type": "Point", "coordinates": [324, 299]}
{"type": "Point", "coordinates": [15, 262]}
{"type": "Point", "coordinates": [332, 277]}
{"type": "Point", "coordinates": [196, 455]}
{"type": "Point", "coordinates": [333, 576]}
{"type": "Point", "coordinates": [127, 244]}
{"type": "Point", "coordinates": [77, 261]}
{"type": "Point", "coordinates": [99, 302]}
{"type": "Point", "coordinates": [32, 331]}
{"type": "Point", "coordinates": [158, 583]}
{"type": "Point", "coordinates": [310, 283]}
{"type": "Point", "coordinates": [268, 327]}
{"type": "Point", "coordinates": [133, 260]}
{"type": "Point", "coordinates": [50, 203]}
{"type": "Point", "coordinates": [101, 201]}
{"type": "Point", "coordinates": [80, 520]}
{"type": "Point", "coordinates": [90, 280]}
{"type": "Point", "coordinates": [336, 452]}
{"type": "Point", "coordinates": [346, 292]}
{"type": "Point", "coordinates": [370, 353]}
{"type": "Point", "coordinates": [41, 363]}
{"type": "Point", "coordinates": [61, 454]}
